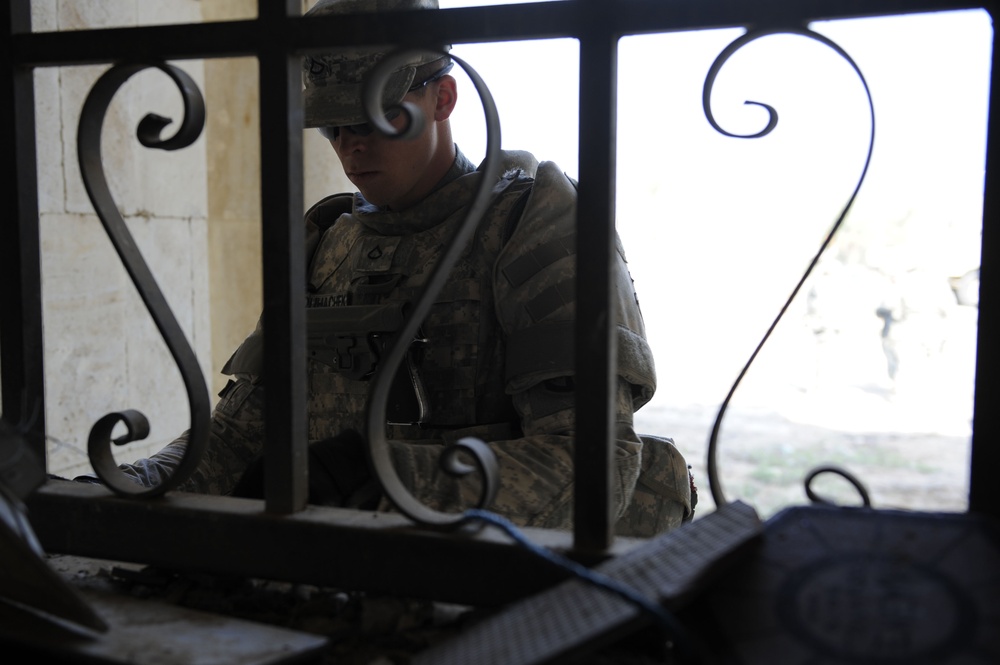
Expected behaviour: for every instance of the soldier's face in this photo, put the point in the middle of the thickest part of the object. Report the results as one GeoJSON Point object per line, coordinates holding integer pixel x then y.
{"type": "Point", "coordinates": [398, 173]}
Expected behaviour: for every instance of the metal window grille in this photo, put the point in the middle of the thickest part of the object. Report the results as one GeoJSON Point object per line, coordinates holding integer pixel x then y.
{"type": "Point", "coordinates": [335, 549]}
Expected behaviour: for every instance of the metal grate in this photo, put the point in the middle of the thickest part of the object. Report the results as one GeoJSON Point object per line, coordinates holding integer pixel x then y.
{"type": "Point", "coordinates": [277, 38]}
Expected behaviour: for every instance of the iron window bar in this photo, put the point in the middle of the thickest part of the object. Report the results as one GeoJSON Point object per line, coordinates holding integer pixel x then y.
{"type": "Point", "coordinates": [278, 37]}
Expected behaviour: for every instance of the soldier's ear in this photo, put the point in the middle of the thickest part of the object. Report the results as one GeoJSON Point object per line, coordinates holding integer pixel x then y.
{"type": "Point", "coordinates": [446, 96]}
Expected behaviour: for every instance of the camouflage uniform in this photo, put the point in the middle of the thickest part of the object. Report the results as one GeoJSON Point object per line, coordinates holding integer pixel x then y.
{"type": "Point", "coordinates": [496, 360]}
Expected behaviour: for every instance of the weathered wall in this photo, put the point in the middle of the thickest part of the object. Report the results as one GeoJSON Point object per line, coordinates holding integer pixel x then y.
{"type": "Point", "coordinates": [194, 213]}
{"type": "Point", "coordinates": [233, 159]}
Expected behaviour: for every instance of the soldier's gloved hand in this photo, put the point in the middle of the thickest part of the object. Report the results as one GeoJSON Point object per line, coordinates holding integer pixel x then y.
{"type": "Point", "coordinates": [94, 480]}
{"type": "Point", "coordinates": [339, 474]}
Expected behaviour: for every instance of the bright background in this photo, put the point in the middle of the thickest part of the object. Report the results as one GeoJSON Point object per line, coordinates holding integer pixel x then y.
{"type": "Point", "coordinates": [718, 231]}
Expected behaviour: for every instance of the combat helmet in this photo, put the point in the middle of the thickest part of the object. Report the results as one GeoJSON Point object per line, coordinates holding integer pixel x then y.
{"type": "Point", "coordinates": [333, 80]}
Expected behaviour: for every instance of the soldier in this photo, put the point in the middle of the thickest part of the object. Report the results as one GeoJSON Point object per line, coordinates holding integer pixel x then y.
{"type": "Point", "coordinates": [493, 360]}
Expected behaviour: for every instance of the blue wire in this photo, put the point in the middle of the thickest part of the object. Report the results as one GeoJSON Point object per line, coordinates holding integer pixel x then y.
{"type": "Point", "coordinates": [652, 608]}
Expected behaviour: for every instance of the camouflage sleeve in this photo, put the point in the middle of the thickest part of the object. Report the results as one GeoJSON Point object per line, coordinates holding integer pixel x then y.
{"type": "Point", "coordinates": [235, 438]}
{"type": "Point", "coordinates": [536, 472]}
{"type": "Point", "coordinates": [534, 287]}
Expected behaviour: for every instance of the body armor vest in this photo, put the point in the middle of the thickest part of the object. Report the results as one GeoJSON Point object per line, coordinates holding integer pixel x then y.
{"type": "Point", "coordinates": [453, 372]}
{"type": "Point", "coordinates": [361, 279]}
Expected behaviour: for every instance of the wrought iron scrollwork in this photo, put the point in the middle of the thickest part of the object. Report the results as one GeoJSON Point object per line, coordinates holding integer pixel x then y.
{"type": "Point", "coordinates": [91, 168]}
{"type": "Point", "coordinates": [715, 484]}
{"type": "Point", "coordinates": [836, 471]}
{"type": "Point", "coordinates": [483, 459]}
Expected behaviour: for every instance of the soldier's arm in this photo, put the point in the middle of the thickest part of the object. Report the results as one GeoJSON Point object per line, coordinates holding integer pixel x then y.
{"type": "Point", "coordinates": [235, 438]}
{"type": "Point", "coordinates": [535, 286]}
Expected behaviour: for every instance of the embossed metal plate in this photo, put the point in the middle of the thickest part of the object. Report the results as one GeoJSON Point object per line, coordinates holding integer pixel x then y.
{"type": "Point", "coordinates": [574, 616]}
{"type": "Point", "coordinates": [847, 585]}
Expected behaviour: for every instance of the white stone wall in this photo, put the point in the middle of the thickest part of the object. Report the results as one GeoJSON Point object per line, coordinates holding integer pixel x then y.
{"type": "Point", "coordinates": [102, 350]}
{"type": "Point", "coordinates": [194, 214]}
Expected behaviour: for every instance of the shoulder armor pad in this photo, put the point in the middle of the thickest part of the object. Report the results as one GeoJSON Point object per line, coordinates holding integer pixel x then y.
{"type": "Point", "coordinates": [518, 160]}
{"type": "Point", "coordinates": [247, 360]}
{"type": "Point", "coordinates": [535, 277]}
{"type": "Point", "coordinates": [322, 215]}
{"type": "Point", "coordinates": [663, 498]}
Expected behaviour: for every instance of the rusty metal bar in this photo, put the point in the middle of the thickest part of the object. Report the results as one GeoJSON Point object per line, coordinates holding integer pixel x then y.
{"type": "Point", "coordinates": [21, 359]}
{"type": "Point", "coordinates": [984, 491]}
{"type": "Point", "coordinates": [335, 547]}
{"type": "Point", "coordinates": [283, 237]}
{"type": "Point", "coordinates": [595, 324]}
{"type": "Point", "coordinates": [541, 20]}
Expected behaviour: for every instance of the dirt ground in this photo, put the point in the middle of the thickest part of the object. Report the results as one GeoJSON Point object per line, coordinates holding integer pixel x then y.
{"type": "Point", "coordinates": [764, 456]}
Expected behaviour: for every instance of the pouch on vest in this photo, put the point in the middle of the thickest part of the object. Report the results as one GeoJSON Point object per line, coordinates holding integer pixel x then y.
{"type": "Point", "coordinates": [353, 340]}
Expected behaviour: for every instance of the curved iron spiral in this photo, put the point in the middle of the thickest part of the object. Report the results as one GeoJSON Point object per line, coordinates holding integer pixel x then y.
{"type": "Point", "coordinates": [91, 168]}
{"type": "Point", "coordinates": [482, 456]}
{"type": "Point", "coordinates": [837, 471]}
{"type": "Point", "coordinates": [715, 484]}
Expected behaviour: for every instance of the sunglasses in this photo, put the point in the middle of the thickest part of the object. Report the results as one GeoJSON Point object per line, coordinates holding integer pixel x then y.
{"type": "Point", "coordinates": [332, 133]}
{"type": "Point", "coordinates": [364, 129]}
